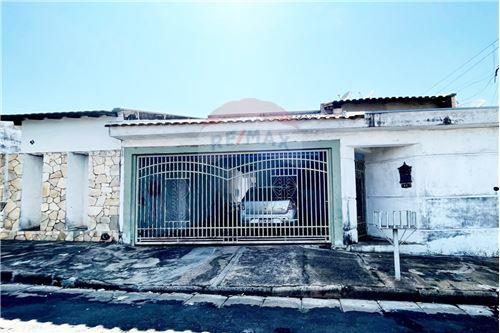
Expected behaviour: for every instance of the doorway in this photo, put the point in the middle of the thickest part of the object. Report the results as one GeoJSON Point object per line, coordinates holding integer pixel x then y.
{"type": "Point", "coordinates": [360, 196]}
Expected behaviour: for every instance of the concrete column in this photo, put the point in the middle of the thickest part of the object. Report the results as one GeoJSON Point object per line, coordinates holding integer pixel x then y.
{"type": "Point", "coordinates": [77, 191]}
{"type": "Point", "coordinates": [348, 180]}
{"type": "Point", "coordinates": [31, 198]}
{"type": "Point", "coordinates": [126, 236]}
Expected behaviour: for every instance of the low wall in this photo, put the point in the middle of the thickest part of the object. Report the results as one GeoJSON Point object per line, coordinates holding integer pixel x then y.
{"type": "Point", "coordinates": [103, 199]}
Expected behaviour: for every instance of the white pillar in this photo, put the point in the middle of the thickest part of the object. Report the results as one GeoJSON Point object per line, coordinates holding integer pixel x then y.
{"type": "Point", "coordinates": [31, 197]}
{"type": "Point", "coordinates": [348, 185]}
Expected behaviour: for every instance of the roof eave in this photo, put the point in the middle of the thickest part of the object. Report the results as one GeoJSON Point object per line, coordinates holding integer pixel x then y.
{"type": "Point", "coordinates": [19, 118]}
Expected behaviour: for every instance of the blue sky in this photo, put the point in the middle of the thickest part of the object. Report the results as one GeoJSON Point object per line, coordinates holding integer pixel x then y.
{"type": "Point", "coordinates": [191, 58]}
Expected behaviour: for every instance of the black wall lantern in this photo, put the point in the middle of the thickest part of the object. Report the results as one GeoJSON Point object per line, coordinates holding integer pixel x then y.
{"type": "Point", "coordinates": [405, 175]}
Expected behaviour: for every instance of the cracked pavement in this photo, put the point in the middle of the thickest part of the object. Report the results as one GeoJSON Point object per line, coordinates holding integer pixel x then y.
{"type": "Point", "coordinates": [285, 270]}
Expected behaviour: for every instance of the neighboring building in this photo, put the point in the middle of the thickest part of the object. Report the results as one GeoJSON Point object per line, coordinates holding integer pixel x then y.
{"type": "Point", "coordinates": [322, 176]}
{"type": "Point", "coordinates": [10, 137]}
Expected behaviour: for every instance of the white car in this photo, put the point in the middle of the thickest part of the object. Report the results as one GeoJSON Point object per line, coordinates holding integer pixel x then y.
{"type": "Point", "coordinates": [260, 206]}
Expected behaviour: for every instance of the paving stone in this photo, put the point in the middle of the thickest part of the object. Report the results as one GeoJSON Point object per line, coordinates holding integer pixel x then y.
{"type": "Point", "coordinates": [76, 291]}
{"type": "Point", "coordinates": [27, 294]}
{"type": "Point", "coordinates": [282, 302]}
{"type": "Point", "coordinates": [181, 297]}
{"type": "Point", "coordinates": [216, 300]}
{"type": "Point", "coordinates": [360, 305]}
{"type": "Point", "coordinates": [132, 297]}
{"type": "Point", "coordinates": [14, 287]}
{"type": "Point", "coordinates": [476, 310]}
{"type": "Point", "coordinates": [311, 303]}
{"type": "Point", "coordinates": [395, 306]}
{"type": "Point", "coordinates": [105, 296]}
{"type": "Point", "coordinates": [44, 289]}
{"type": "Point", "coordinates": [244, 300]}
{"type": "Point", "coordinates": [434, 308]}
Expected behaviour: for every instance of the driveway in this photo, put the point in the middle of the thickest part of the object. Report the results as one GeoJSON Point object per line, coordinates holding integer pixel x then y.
{"type": "Point", "coordinates": [291, 270]}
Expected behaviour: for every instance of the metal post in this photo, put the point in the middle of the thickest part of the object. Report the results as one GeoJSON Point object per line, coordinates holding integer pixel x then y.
{"type": "Point", "coordinates": [395, 240]}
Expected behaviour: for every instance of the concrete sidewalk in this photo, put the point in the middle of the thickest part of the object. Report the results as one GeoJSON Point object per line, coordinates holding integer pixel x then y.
{"type": "Point", "coordinates": [292, 270]}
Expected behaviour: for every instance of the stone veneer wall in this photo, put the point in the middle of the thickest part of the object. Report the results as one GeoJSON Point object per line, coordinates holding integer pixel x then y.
{"type": "Point", "coordinates": [11, 212]}
{"type": "Point", "coordinates": [104, 191]}
{"type": "Point", "coordinates": [2, 164]}
{"type": "Point", "coordinates": [3, 182]}
{"type": "Point", "coordinates": [54, 192]}
{"type": "Point", "coordinates": [103, 199]}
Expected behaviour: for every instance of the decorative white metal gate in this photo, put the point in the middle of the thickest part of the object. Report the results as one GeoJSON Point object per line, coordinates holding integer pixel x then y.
{"type": "Point", "coordinates": [253, 197]}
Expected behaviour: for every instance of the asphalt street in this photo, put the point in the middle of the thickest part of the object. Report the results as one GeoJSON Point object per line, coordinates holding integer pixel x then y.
{"type": "Point", "coordinates": [143, 311]}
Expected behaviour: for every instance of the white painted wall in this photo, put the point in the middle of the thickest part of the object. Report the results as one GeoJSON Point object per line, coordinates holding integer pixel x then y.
{"type": "Point", "coordinates": [454, 173]}
{"type": "Point", "coordinates": [77, 190]}
{"type": "Point", "coordinates": [383, 191]}
{"type": "Point", "coordinates": [31, 197]}
{"type": "Point", "coordinates": [67, 134]}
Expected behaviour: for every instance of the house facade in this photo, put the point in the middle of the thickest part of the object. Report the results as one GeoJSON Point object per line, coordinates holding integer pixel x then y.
{"type": "Point", "coordinates": [334, 176]}
{"type": "Point", "coordinates": [64, 180]}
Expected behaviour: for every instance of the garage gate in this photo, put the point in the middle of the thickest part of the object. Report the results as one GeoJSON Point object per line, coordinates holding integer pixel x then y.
{"type": "Point", "coordinates": [250, 197]}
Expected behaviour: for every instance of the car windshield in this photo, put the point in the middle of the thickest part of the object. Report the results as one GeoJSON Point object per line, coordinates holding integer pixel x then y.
{"type": "Point", "coordinates": [260, 194]}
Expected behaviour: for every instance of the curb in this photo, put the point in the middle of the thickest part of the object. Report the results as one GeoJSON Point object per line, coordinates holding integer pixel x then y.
{"type": "Point", "coordinates": [476, 297]}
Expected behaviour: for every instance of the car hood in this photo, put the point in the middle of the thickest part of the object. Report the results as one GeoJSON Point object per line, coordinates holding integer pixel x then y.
{"type": "Point", "coordinates": [266, 207]}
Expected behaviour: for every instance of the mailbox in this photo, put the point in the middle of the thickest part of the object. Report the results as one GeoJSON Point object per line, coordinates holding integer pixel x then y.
{"type": "Point", "coordinates": [405, 175]}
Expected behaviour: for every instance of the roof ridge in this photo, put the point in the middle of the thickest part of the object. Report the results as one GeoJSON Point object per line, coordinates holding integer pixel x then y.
{"type": "Point", "coordinates": [388, 98]}
{"type": "Point", "coordinates": [250, 119]}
